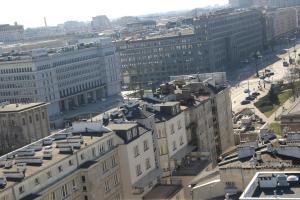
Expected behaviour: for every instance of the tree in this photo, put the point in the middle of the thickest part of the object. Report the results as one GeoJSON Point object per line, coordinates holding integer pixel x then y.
{"type": "Point", "coordinates": [273, 96]}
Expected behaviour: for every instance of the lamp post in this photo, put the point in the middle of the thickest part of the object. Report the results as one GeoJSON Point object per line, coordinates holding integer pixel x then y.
{"type": "Point", "coordinates": [257, 56]}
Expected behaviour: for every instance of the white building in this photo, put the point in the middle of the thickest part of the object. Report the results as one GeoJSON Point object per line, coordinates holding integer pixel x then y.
{"type": "Point", "coordinates": [138, 168]}
{"type": "Point", "coordinates": [65, 77]}
{"type": "Point", "coordinates": [171, 135]}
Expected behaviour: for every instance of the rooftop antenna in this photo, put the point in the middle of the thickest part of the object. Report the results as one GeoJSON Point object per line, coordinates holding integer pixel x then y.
{"type": "Point", "coordinates": [45, 21]}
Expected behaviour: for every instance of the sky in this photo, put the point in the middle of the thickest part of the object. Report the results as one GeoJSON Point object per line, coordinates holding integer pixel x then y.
{"type": "Point", "coordinates": [31, 13]}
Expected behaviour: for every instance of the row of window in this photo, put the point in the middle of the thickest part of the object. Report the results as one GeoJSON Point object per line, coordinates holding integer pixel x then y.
{"type": "Point", "coordinates": [16, 70]}
{"type": "Point", "coordinates": [136, 148]}
{"type": "Point", "coordinates": [138, 167]}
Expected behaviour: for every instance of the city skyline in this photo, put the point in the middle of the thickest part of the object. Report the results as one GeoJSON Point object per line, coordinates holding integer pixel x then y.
{"type": "Point", "coordinates": [31, 13]}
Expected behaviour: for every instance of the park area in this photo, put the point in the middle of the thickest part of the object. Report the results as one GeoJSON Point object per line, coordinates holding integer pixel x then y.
{"type": "Point", "coordinates": [272, 101]}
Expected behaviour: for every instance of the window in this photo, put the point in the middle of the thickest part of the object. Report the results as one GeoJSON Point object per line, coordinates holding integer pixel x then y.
{"type": "Point", "coordinates": [110, 143]}
{"type": "Point", "coordinates": [148, 165]}
{"type": "Point", "coordinates": [43, 115]}
{"type": "Point", "coordinates": [70, 162]}
{"type": "Point", "coordinates": [106, 186]}
{"type": "Point", "coordinates": [174, 145]}
{"type": "Point", "coordinates": [60, 169]}
{"type": "Point", "coordinates": [21, 189]}
{"type": "Point", "coordinates": [102, 149]}
{"type": "Point", "coordinates": [104, 166]}
{"type": "Point", "coordinates": [53, 196]}
{"type": "Point", "coordinates": [49, 174]}
{"type": "Point", "coordinates": [84, 188]}
{"type": "Point", "coordinates": [179, 124]}
{"type": "Point", "coordinates": [136, 151]}
{"type": "Point", "coordinates": [138, 170]}
{"type": "Point", "coordinates": [172, 128]}
{"type": "Point", "coordinates": [181, 140]}
{"type": "Point", "coordinates": [116, 179]}
{"type": "Point", "coordinates": [94, 152]}
{"type": "Point", "coordinates": [36, 117]}
{"type": "Point", "coordinates": [23, 120]}
{"type": "Point", "coordinates": [64, 190]}
{"type": "Point", "coordinates": [83, 179]}
{"type": "Point", "coordinates": [82, 157]}
{"type": "Point", "coordinates": [73, 183]}
{"type": "Point", "coordinates": [113, 161]}
{"type": "Point", "coordinates": [146, 145]}
{"type": "Point", "coordinates": [30, 119]}
{"type": "Point", "coordinates": [36, 181]}
{"type": "Point", "coordinates": [86, 197]}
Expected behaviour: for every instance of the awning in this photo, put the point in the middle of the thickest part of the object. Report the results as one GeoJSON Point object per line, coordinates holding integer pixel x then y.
{"type": "Point", "coordinates": [179, 155]}
{"type": "Point", "coordinates": [145, 181]}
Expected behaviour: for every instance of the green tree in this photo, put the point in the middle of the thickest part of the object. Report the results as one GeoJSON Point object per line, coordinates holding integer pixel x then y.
{"type": "Point", "coordinates": [273, 98]}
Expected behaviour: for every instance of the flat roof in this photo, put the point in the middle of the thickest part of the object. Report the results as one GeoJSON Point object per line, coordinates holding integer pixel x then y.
{"type": "Point", "coordinates": [121, 127]}
{"type": "Point", "coordinates": [255, 191]}
{"type": "Point", "coordinates": [56, 156]}
{"type": "Point", "coordinates": [163, 192]}
{"type": "Point", "coordinates": [18, 107]}
{"type": "Point", "coordinates": [168, 103]}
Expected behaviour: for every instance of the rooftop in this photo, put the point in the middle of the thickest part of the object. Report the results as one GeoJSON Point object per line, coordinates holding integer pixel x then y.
{"type": "Point", "coordinates": [162, 192]}
{"type": "Point", "coordinates": [273, 185]}
{"type": "Point", "coordinates": [57, 156]}
{"type": "Point", "coordinates": [121, 127]}
{"type": "Point", "coordinates": [7, 108]}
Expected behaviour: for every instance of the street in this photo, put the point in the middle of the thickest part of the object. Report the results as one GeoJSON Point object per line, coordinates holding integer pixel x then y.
{"type": "Point", "coordinates": [252, 83]}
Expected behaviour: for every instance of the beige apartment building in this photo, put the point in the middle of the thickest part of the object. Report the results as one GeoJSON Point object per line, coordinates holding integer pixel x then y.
{"type": "Point", "coordinates": [81, 163]}
{"type": "Point", "coordinates": [22, 124]}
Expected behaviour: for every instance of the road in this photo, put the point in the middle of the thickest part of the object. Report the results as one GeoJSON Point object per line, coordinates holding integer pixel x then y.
{"type": "Point", "coordinates": [280, 73]}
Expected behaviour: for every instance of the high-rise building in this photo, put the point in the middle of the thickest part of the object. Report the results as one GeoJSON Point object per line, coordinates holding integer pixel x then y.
{"type": "Point", "coordinates": [65, 77]}
{"type": "Point", "coordinates": [153, 59]}
{"type": "Point", "coordinates": [230, 35]}
{"type": "Point", "coordinates": [280, 23]}
{"type": "Point", "coordinates": [10, 33]}
{"type": "Point", "coordinates": [263, 3]}
{"type": "Point", "coordinates": [22, 124]}
{"type": "Point", "coordinates": [100, 23]}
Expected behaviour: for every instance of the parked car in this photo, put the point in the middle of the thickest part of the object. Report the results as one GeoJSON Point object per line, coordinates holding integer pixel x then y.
{"type": "Point", "coordinates": [250, 98]}
{"type": "Point", "coordinates": [285, 64]}
{"type": "Point", "coordinates": [246, 91]}
{"type": "Point", "coordinates": [245, 102]}
{"type": "Point", "coordinates": [255, 94]}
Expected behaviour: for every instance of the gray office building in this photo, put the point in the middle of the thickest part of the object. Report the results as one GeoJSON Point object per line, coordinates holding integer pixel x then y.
{"type": "Point", "coordinates": [230, 35]}
{"type": "Point", "coordinates": [154, 59]}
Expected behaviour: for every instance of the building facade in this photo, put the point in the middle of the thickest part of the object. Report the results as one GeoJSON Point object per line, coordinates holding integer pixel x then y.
{"type": "Point", "coordinates": [100, 23]}
{"type": "Point", "coordinates": [230, 35]}
{"type": "Point", "coordinates": [22, 124]}
{"type": "Point", "coordinates": [65, 78]}
{"type": "Point", "coordinates": [10, 33]}
{"type": "Point", "coordinates": [153, 60]}
{"type": "Point", "coordinates": [280, 23]}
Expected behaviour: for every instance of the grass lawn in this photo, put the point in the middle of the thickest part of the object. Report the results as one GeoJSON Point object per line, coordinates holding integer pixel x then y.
{"type": "Point", "coordinates": [268, 108]}
{"type": "Point", "coordinates": [276, 128]}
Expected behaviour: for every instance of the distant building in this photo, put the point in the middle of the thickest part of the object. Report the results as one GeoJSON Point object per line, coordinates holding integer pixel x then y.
{"type": "Point", "coordinates": [280, 24]}
{"type": "Point", "coordinates": [230, 35]}
{"type": "Point", "coordinates": [273, 185]}
{"type": "Point", "coordinates": [10, 33]}
{"type": "Point", "coordinates": [22, 124]}
{"type": "Point", "coordinates": [141, 25]}
{"type": "Point", "coordinates": [153, 59]}
{"type": "Point", "coordinates": [263, 3]}
{"type": "Point", "coordinates": [64, 77]}
{"type": "Point", "coordinates": [100, 23]}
